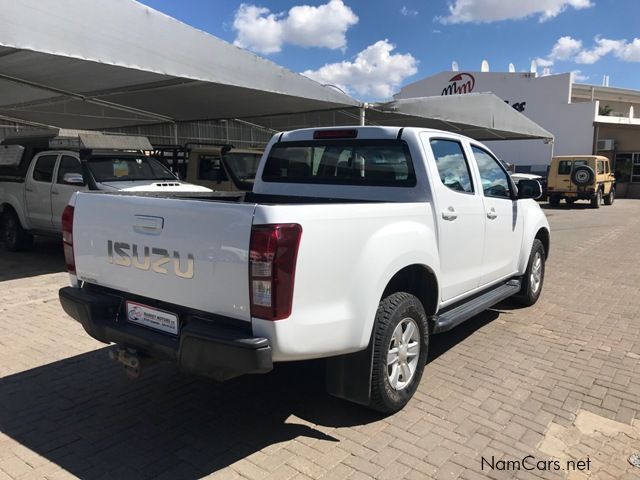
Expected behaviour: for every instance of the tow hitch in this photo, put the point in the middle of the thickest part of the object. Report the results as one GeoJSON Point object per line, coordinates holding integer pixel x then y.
{"type": "Point", "coordinates": [129, 359]}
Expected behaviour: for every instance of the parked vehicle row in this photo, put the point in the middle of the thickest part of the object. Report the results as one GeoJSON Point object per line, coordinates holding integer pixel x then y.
{"type": "Point", "coordinates": [42, 169]}
{"type": "Point", "coordinates": [354, 245]}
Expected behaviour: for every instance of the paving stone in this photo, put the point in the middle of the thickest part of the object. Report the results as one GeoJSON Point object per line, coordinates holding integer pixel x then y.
{"type": "Point", "coordinates": [495, 386]}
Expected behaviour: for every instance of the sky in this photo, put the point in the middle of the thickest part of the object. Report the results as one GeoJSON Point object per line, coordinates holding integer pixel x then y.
{"type": "Point", "coordinates": [371, 48]}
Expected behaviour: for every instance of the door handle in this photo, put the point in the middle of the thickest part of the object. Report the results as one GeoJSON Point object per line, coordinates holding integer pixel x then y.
{"type": "Point", "coordinates": [53, 192]}
{"type": "Point", "coordinates": [449, 214]}
{"type": "Point", "coordinates": [148, 224]}
{"type": "Point", "coordinates": [491, 214]}
{"type": "Point", "coordinates": [28, 189]}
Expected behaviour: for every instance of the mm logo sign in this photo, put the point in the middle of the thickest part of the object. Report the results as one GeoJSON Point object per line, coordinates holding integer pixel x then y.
{"type": "Point", "coordinates": [459, 84]}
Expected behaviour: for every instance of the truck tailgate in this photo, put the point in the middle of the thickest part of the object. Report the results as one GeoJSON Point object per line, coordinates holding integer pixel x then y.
{"type": "Point", "coordinates": [187, 252]}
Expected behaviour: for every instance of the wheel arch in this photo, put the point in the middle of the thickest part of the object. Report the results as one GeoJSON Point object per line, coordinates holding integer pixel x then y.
{"type": "Point", "coordinates": [544, 236]}
{"type": "Point", "coordinates": [418, 280]}
{"type": "Point", "coordinates": [10, 207]}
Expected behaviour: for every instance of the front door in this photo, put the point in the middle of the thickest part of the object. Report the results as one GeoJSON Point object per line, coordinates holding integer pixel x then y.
{"type": "Point", "coordinates": [38, 191]}
{"type": "Point", "coordinates": [460, 217]}
{"type": "Point", "coordinates": [503, 224]}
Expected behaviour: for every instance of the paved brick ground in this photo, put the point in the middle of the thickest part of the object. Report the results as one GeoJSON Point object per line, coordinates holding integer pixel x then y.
{"type": "Point", "coordinates": [558, 381]}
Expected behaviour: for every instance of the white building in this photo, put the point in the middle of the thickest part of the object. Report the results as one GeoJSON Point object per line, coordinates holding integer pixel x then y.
{"type": "Point", "coordinates": [571, 111]}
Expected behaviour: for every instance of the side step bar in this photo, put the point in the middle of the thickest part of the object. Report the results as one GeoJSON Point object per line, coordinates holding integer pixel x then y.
{"type": "Point", "coordinates": [454, 317]}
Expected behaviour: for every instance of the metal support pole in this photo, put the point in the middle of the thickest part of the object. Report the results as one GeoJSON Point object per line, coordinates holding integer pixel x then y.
{"type": "Point", "coordinates": [363, 115]}
{"type": "Point", "coordinates": [175, 133]}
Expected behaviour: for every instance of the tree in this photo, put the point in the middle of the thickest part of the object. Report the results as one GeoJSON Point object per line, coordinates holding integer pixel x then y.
{"type": "Point", "coordinates": [605, 110]}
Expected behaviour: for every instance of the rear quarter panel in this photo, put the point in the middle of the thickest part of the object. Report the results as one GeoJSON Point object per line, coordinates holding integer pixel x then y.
{"type": "Point", "coordinates": [348, 253]}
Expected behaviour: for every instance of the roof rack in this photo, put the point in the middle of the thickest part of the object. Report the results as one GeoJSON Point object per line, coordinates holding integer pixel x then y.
{"type": "Point", "coordinates": [59, 138]}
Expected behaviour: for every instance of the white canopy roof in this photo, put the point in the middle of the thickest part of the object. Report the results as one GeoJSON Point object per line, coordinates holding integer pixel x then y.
{"type": "Point", "coordinates": [97, 64]}
{"type": "Point", "coordinates": [108, 63]}
{"type": "Point", "coordinates": [482, 116]}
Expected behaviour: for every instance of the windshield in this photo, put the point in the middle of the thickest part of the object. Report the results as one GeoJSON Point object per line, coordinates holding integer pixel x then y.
{"type": "Point", "coordinates": [129, 168]}
{"type": "Point", "coordinates": [243, 165]}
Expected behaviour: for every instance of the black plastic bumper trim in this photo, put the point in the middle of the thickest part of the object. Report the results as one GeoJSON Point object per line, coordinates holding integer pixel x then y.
{"type": "Point", "coordinates": [202, 347]}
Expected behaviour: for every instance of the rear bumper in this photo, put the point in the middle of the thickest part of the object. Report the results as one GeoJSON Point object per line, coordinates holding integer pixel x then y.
{"type": "Point", "coordinates": [202, 347]}
{"type": "Point", "coordinates": [580, 194]}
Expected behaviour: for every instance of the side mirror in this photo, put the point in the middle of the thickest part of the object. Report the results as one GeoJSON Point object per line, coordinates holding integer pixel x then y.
{"type": "Point", "coordinates": [73, 179]}
{"type": "Point", "coordinates": [529, 189]}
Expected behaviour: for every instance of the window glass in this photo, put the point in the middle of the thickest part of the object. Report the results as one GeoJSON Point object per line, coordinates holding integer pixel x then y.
{"type": "Point", "coordinates": [606, 167]}
{"type": "Point", "coordinates": [43, 171]}
{"type": "Point", "coordinates": [564, 167]}
{"type": "Point", "coordinates": [243, 165]}
{"type": "Point", "coordinates": [495, 181]}
{"type": "Point", "coordinates": [68, 165]}
{"type": "Point", "coordinates": [600, 167]}
{"type": "Point", "coordinates": [623, 166]}
{"type": "Point", "coordinates": [129, 168]}
{"type": "Point", "coordinates": [211, 168]}
{"type": "Point", "coordinates": [452, 165]}
{"type": "Point", "coordinates": [341, 162]}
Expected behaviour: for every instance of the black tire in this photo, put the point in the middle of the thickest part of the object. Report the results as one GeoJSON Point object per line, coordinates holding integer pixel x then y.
{"type": "Point", "coordinates": [14, 237]}
{"type": "Point", "coordinates": [596, 200]}
{"type": "Point", "coordinates": [570, 201]}
{"type": "Point", "coordinates": [583, 175]}
{"type": "Point", "coordinates": [530, 290]}
{"type": "Point", "coordinates": [610, 197]}
{"type": "Point", "coordinates": [392, 311]}
{"type": "Point", "coordinates": [554, 200]}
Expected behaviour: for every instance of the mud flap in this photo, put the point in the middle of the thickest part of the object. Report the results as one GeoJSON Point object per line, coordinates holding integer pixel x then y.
{"type": "Point", "coordinates": [349, 376]}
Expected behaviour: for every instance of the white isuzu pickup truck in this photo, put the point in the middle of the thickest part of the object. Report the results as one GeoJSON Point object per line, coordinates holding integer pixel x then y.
{"type": "Point", "coordinates": [355, 245]}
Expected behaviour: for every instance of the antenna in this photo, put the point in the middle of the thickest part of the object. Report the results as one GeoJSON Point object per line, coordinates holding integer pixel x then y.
{"type": "Point", "coordinates": [485, 66]}
{"type": "Point", "coordinates": [512, 68]}
{"type": "Point", "coordinates": [534, 67]}
{"type": "Point", "coordinates": [454, 66]}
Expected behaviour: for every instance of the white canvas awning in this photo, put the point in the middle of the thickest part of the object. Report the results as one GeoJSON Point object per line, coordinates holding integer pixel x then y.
{"type": "Point", "coordinates": [97, 64]}
{"type": "Point", "coordinates": [482, 116]}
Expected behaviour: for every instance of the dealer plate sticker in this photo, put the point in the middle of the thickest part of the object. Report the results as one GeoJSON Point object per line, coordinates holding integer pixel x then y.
{"type": "Point", "coordinates": [152, 318]}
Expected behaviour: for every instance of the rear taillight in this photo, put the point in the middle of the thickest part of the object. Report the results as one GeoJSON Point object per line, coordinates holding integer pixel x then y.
{"type": "Point", "coordinates": [272, 266]}
{"type": "Point", "coordinates": [67, 238]}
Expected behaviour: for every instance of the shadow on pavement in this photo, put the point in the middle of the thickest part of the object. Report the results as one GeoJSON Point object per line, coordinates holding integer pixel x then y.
{"type": "Point", "coordinates": [46, 256]}
{"type": "Point", "coordinates": [443, 342]}
{"type": "Point", "coordinates": [581, 205]}
{"type": "Point", "coordinates": [83, 414]}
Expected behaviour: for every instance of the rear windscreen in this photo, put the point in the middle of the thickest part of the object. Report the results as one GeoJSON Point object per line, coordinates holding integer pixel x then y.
{"type": "Point", "coordinates": [564, 166]}
{"type": "Point", "coordinates": [341, 162]}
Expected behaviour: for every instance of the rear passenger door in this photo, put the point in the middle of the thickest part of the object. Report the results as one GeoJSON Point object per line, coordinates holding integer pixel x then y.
{"type": "Point", "coordinates": [460, 216]}
{"type": "Point", "coordinates": [61, 191]}
{"type": "Point", "coordinates": [38, 190]}
{"type": "Point", "coordinates": [503, 224]}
